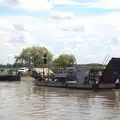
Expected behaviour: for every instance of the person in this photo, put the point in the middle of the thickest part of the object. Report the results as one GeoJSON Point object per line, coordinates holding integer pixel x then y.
{"type": "Point", "coordinates": [117, 82]}
{"type": "Point", "coordinates": [97, 83]}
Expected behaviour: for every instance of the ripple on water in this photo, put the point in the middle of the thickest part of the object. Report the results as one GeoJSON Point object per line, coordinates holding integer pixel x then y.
{"type": "Point", "coordinates": [24, 101]}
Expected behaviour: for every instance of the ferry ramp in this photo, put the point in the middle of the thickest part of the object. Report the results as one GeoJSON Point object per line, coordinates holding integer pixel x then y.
{"type": "Point", "coordinates": [112, 71]}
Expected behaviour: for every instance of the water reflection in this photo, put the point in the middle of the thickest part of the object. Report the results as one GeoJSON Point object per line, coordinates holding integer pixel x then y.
{"type": "Point", "coordinates": [24, 101]}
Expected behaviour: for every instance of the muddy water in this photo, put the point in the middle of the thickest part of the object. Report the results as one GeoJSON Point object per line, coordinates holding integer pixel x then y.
{"type": "Point", "coordinates": [24, 101]}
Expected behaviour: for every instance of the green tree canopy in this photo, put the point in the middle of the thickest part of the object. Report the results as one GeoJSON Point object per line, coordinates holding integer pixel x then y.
{"type": "Point", "coordinates": [65, 60]}
{"type": "Point", "coordinates": [34, 56]}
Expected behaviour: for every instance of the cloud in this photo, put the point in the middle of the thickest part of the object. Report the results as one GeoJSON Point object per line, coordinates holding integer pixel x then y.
{"type": "Point", "coordinates": [107, 4]}
{"type": "Point", "coordinates": [61, 15]}
{"type": "Point", "coordinates": [73, 2]}
{"type": "Point", "coordinates": [41, 5]}
{"type": "Point", "coordinates": [17, 32]}
{"type": "Point", "coordinates": [36, 5]}
{"type": "Point", "coordinates": [66, 2]}
{"type": "Point", "coordinates": [89, 38]}
{"type": "Point", "coordinates": [29, 5]}
{"type": "Point", "coordinates": [96, 37]}
{"type": "Point", "coordinates": [9, 2]}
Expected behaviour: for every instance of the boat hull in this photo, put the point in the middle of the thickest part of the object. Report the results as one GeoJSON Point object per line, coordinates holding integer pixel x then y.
{"type": "Point", "coordinates": [77, 86]}
{"type": "Point", "coordinates": [10, 78]}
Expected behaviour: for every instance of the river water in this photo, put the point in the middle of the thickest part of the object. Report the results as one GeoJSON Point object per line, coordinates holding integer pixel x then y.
{"type": "Point", "coordinates": [24, 101]}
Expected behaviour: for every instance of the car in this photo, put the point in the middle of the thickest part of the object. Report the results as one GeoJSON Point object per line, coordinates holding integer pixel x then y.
{"type": "Point", "coordinates": [23, 70]}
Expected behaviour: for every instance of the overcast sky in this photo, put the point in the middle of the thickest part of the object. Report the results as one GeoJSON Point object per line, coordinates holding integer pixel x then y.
{"type": "Point", "coordinates": [89, 29]}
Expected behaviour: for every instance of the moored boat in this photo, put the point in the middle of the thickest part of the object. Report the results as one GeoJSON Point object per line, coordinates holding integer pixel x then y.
{"type": "Point", "coordinates": [108, 78]}
{"type": "Point", "coordinates": [11, 76]}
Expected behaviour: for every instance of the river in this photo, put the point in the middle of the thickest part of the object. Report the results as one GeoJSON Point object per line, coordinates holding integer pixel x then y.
{"type": "Point", "coordinates": [24, 101]}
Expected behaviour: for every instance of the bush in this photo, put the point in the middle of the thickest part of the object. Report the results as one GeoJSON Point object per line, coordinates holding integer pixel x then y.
{"type": "Point", "coordinates": [2, 70]}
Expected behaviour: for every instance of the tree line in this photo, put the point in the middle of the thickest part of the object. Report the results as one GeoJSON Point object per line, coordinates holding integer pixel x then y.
{"type": "Point", "coordinates": [40, 56]}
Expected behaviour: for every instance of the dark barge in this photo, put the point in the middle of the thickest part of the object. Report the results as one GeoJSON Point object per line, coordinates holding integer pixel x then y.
{"type": "Point", "coordinates": [76, 85]}
{"type": "Point", "coordinates": [14, 76]}
{"type": "Point", "coordinates": [96, 79]}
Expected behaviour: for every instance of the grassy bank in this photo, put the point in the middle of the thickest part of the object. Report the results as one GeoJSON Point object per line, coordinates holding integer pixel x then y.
{"type": "Point", "coordinates": [5, 71]}
{"type": "Point", "coordinates": [27, 78]}
{"type": "Point", "coordinates": [96, 67]}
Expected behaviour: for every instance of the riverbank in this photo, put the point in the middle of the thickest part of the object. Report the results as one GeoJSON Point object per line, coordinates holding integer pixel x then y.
{"type": "Point", "coordinates": [27, 78]}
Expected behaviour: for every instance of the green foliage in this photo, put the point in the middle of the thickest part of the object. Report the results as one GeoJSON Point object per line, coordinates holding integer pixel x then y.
{"type": "Point", "coordinates": [96, 67]}
{"type": "Point", "coordinates": [1, 69]}
{"type": "Point", "coordinates": [11, 70]}
{"type": "Point", "coordinates": [64, 60]}
{"type": "Point", "coordinates": [5, 71]}
{"type": "Point", "coordinates": [34, 56]}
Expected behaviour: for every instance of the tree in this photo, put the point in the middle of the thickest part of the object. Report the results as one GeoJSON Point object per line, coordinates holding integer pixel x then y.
{"type": "Point", "coordinates": [65, 60]}
{"type": "Point", "coordinates": [34, 56]}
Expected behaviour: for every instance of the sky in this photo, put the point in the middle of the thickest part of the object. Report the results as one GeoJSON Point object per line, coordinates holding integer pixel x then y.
{"type": "Point", "coordinates": [89, 29]}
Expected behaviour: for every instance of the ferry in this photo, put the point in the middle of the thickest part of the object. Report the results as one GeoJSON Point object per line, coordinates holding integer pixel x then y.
{"type": "Point", "coordinates": [82, 78]}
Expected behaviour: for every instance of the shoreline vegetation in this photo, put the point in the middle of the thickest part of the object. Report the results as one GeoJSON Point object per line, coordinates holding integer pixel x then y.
{"type": "Point", "coordinates": [41, 57]}
{"type": "Point", "coordinates": [4, 71]}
